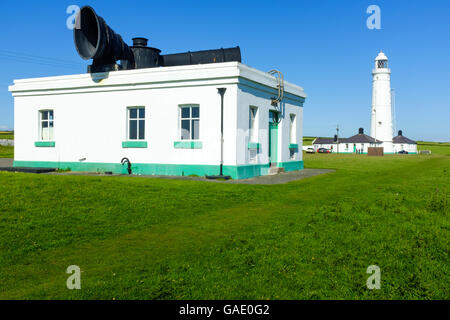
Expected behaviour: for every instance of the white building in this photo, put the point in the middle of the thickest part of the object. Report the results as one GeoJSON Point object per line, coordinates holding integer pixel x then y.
{"type": "Point", "coordinates": [165, 120]}
{"type": "Point", "coordinates": [359, 143]}
{"type": "Point", "coordinates": [381, 130]}
{"type": "Point", "coordinates": [402, 143]}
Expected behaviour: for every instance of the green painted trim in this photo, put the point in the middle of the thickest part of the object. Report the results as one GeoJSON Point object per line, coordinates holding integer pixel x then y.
{"type": "Point", "coordinates": [267, 92]}
{"type": "Point", "coordinates": [188, 144]}
{"type": "Point", "coordinates": [134, 144]}
{"type": "Point", "coordinates": [236, 172]}
{"type": "Point", "coordinates": [273, 142]}
{"type": "Point", "coordinates": [291, 165]}
{"type": "Point", "coordinates": [254, 145]}
{"type": "Point", "coordinates": [293, 146]}
{"type": "Point", "coordinates": [47, 144]}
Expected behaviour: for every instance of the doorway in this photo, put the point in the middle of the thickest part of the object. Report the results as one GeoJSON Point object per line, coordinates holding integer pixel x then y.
{"type": "Point", "coordinates": [273, 138]}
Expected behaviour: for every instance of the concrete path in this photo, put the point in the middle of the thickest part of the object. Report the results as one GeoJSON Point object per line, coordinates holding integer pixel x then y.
{"type": "Point", "coordinates": [279, 178]}
{"type": "Point", "coordinates": [6, 162]}
{"type": "Point", "coordinates": [283, 177]}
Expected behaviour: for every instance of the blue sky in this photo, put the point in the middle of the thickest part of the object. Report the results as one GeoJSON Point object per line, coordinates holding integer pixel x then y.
{"type": "Point", "coordinates": [322, 45]}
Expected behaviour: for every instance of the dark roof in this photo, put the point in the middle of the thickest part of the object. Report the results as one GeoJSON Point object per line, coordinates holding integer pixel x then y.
{"type": "Point", "coordinates": [403, 139]}
{"type": "Point", "coordinates": [358, 138]}
{"type": "Point", "coordinates": [323, 141]}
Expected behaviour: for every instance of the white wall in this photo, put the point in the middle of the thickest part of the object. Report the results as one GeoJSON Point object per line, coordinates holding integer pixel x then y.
{"type": "Point", "coordinates": [343, 147]}
{"type": "Point", "coordinates": [261, 100]}
{"type": "Point", "coordinates": [90, 115]}
{"type": "Point", "coordinates": [407, 147]}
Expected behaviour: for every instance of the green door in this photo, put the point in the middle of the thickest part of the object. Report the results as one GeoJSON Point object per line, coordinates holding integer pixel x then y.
{"type": "Point", "coordinates": [273, 138]}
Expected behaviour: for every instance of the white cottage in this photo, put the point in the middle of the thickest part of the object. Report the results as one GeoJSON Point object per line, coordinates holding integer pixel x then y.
{"type": "Point", "coordinates": [359, 143]}
{"type": "Point", "coordinates": [166, 121]}
{"type": "Point", "coordinates": [402, 143]}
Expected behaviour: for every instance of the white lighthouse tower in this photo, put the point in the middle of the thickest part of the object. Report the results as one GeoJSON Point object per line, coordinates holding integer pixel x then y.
{"type": "Point", "coordinates": [381, 122]}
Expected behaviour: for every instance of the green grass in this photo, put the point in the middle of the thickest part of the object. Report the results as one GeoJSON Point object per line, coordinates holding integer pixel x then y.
{"type": "Point", "coordinates": [7, 135]}
{"type": "Point", "coordinates": [6, 151]}
{"type": "Point", "coordinates": [138, 238]}
{"type": "Point", "coordinates": [307, 141]}
{"type": "Point", "coordinates": [435, 147]}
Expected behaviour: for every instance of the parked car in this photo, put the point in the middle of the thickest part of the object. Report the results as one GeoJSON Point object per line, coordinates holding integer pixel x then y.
{"type": "Point", "coordinates": [403, 152]}
{"type": "Point", "coordinates": [323, 150]}
{"type": "Point", "coordinates": [310, 150]}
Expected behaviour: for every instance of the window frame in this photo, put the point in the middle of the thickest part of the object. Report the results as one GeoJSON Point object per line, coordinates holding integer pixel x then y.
{"type": "Point", "coordinates": [190, 119]}
{"type": "Point", "coordinates": [138, 119]}
{"type": "Point", "coordinates": [292, 128]}
{"type": "Point", "coordinates": [41, 120]}
{"type": "Point", "coordinates": [253, 124]}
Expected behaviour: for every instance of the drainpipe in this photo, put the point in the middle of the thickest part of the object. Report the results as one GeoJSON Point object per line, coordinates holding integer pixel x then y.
{"type": "Point", "coordinates": [220, 91]}
{"type": "Point", "coordinates": [126, 160]}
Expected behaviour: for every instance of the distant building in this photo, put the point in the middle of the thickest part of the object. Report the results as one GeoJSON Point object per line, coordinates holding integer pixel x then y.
{"type": "Point", "coordinates": [403, 143]}
{"type": "Point", "coordinates": [358, 143]}
{"type": "Point", "coordinates": [381, 131]}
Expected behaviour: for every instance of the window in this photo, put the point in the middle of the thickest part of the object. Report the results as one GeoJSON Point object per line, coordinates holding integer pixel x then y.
{"type": "Point", "coordinates": [292, 129]}
{"type": "Point", "coordinates": [253, 124]}
{"type": "Point", "coordinates": [253, 155]}
{"type": "Point", "coordinates": [292, 154]}
{"type": "Point", "coordinates": [136, 123]}
{"type": "Point", "coordinates": [190, 122]}
{"type": "Point", "coordinates": [382, 64]}
{"type": "Point", "coordinates": [46, 125]}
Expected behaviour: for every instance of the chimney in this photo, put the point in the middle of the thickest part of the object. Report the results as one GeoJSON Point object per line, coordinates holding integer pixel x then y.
{"type": "Point", "coordinates": [140, 42]}
{"type": "Point", "coordinates": [361, 131]}
{"type": "Point", "coordinates": [400, 132]}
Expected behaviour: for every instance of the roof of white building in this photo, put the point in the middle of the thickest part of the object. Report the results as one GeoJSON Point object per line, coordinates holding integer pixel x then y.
{"type": "Point", "coordinates": [402, 139]}
{"type": "Point", "coordinates": [381, 56]}
{"type": "Point", "coordinates": [357, 138]}
{"type": "Point", "coordinates": [176, 76]}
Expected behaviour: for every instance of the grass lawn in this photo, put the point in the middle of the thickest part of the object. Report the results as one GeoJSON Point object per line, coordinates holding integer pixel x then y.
{"type": "Point", "coordinates": [307, 141]}
{"type": "Point", "coordinates": [6, 135]}
{"type": "Point", "coordinates": [138, 238]}
{"type": "Point", "coordinates": [6, 152]}
{"type": "Point", "coordinates": [435, 147]}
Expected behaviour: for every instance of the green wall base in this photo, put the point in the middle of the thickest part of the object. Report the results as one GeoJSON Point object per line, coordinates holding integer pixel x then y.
{"type": "Point", "coordinates": [236, 172]}
{"type": "Point", "coordinates": [291, 165]}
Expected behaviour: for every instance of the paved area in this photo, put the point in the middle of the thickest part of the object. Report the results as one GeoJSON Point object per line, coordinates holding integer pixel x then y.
{"type": "Point", "coordinates": [283, 177]}
{"type": "Point", "coordinates": [279, 178]}
{"type": "Point", "coordinates": [6, 162]}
